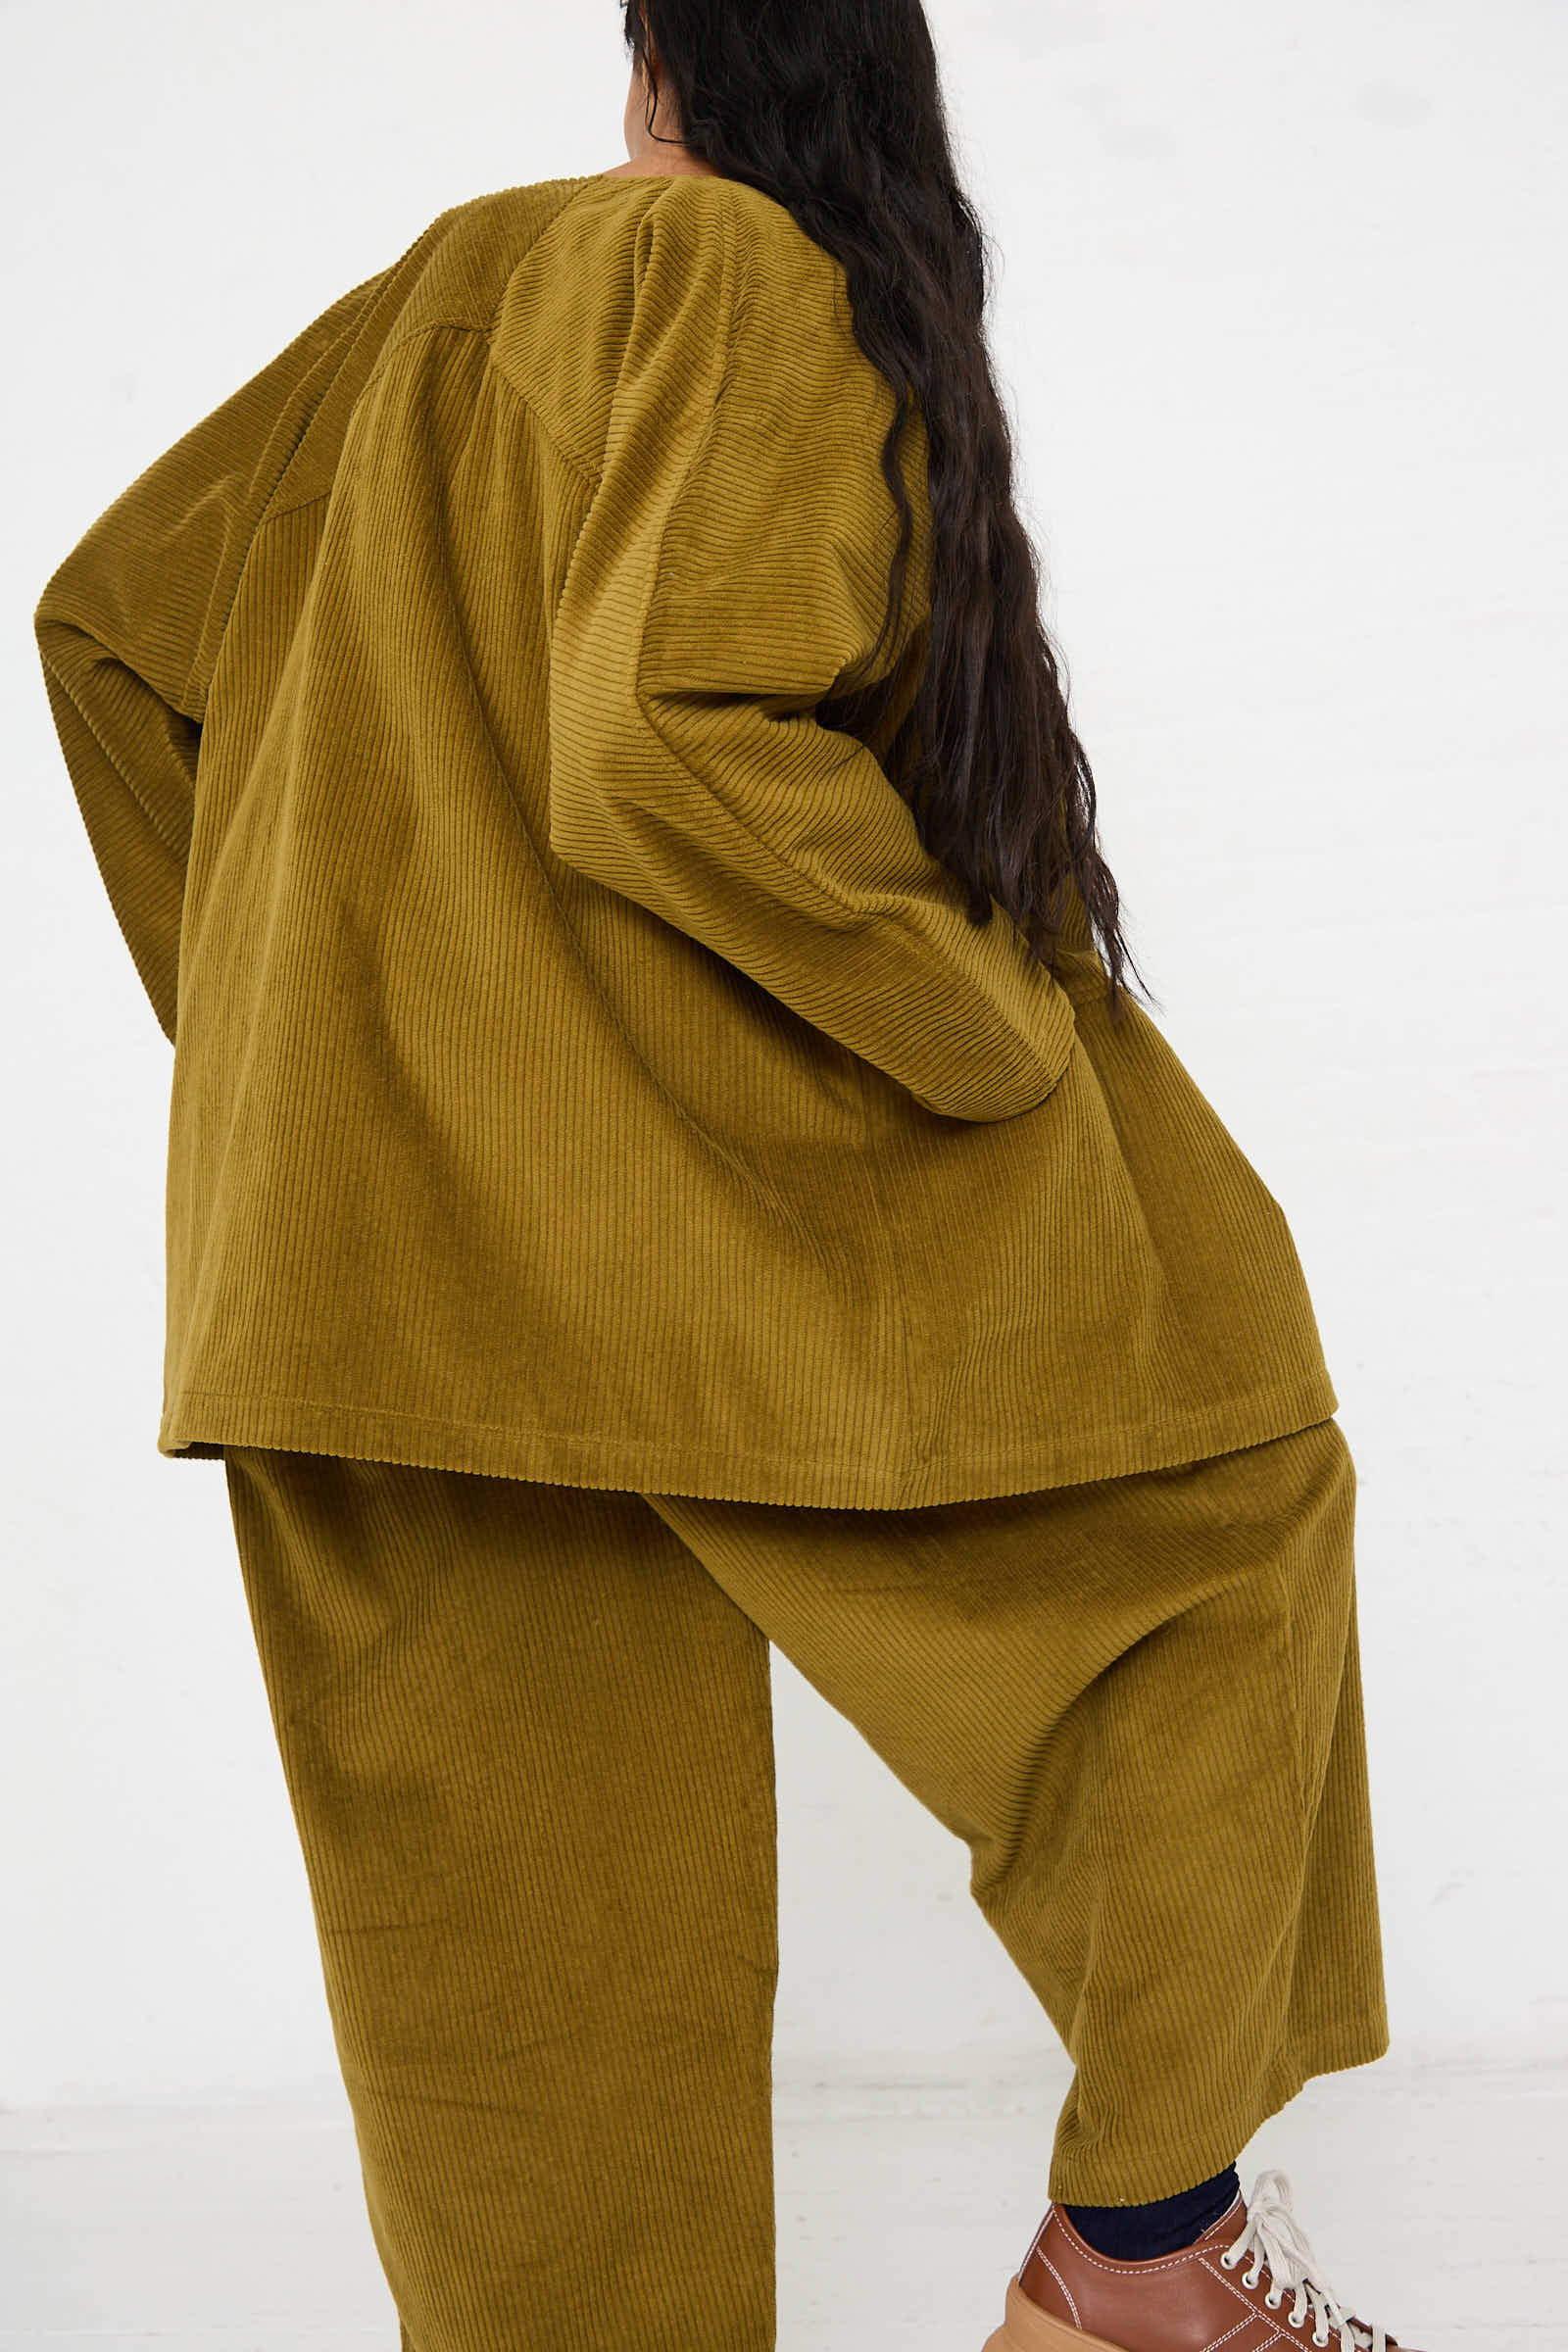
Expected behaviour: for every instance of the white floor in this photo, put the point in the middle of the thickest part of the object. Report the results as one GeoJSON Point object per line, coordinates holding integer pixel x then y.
{"type": "Point", "coordinates": [1433, 2198]}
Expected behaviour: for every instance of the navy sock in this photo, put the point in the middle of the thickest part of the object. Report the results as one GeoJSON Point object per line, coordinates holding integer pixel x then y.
{"type": "Point", "coordinates": [1138, 2232]}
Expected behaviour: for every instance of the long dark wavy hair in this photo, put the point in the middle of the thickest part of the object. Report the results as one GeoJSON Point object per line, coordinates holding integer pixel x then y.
{"type": "Point", "coordinates": [834, 108]}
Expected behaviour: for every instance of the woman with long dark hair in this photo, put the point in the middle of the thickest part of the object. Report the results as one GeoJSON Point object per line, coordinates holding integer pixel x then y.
{"type": "Point", "coordinates": [664, 1160]}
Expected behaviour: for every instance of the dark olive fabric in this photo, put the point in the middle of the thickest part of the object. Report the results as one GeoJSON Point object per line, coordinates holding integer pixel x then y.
{"type": "Point", "coordinates": [581, 1070]}
{"type": "Point", "coordinates": [526, 1733]}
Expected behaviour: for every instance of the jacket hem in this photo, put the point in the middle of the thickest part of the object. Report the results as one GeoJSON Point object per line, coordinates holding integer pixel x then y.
{"type": "Point", "coordinates": [200, 1422]}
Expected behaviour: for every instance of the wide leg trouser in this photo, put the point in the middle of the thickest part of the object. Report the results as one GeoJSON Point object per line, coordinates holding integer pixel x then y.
{"type": "Point", "coordinates": [528, 1739]}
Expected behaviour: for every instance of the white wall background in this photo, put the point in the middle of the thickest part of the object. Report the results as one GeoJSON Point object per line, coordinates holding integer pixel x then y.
{"type": "Point", "coordinates": [1278, 313]}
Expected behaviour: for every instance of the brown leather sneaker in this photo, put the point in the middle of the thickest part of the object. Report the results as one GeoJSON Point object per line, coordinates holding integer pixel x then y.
{"type": "Point", "coordinates": [1067, 2298]}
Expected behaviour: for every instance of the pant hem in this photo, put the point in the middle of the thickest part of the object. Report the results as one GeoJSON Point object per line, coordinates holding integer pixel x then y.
{"type": "Point", "coordinates": [1137, 2178]}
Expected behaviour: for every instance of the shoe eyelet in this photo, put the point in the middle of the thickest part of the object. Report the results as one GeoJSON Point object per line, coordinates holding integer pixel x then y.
{"type": "Point", "coordinates": [1273, 2299]}
{"type": "Point", "coordinates": [1228, 2262]}
{"type": "Point", "coordinates": [1250, 2277]}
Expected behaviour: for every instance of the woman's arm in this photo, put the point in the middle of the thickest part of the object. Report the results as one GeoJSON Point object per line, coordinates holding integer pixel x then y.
{"type": "Point", "coordinates": [129, 623]}
{"type": "Point", "coordinates": [728, 577]}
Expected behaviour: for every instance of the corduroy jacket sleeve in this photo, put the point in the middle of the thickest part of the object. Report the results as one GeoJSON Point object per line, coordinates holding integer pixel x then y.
{"type": "Point", "coordinates": [128, 626]}
{"type": "Point", "coordinates": [728, 576]}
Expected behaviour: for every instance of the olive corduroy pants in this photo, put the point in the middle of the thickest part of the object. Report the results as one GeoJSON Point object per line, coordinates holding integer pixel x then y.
{"type": "Point", "coordinates": [528, 1739]}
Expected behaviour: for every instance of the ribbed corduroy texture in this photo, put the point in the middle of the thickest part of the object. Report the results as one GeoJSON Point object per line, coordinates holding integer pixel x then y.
{"type": "Point", "coordinates": [581, 1071]}
{"type": "Point", "coordinates": [528, 1739]}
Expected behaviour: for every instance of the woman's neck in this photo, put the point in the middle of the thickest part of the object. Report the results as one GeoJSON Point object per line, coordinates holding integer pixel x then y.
{"type": "Point", "coordinates": [663, 162]}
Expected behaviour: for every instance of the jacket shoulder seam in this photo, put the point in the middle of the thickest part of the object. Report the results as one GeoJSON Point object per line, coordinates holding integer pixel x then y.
{"type": "Point", "coordinates": [729, 304]}
{"type": "Point", "coordinates": [588, 474]}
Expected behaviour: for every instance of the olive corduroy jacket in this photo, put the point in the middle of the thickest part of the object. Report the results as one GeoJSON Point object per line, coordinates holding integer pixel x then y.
{"type": "Point", "coordinates": [581, 1070]}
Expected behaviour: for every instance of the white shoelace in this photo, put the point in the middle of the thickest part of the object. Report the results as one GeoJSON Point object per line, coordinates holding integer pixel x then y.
{"type": "Point", "coordinates": [1274, 2236]}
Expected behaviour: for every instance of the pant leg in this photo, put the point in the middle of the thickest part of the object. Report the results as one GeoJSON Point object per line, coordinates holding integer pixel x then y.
{"type": "Point", "coordinates": [1139, 1701]}
{"type": "Point", "coordinates": [528, 1745]}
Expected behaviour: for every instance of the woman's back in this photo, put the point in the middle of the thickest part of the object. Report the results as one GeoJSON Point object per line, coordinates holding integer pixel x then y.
{"type": "Point", "coordinates": [582, 1072]}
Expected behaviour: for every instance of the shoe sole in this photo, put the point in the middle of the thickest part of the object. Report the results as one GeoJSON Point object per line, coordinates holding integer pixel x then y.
{"type": "Point", "coordinates": [1028, 2329]}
